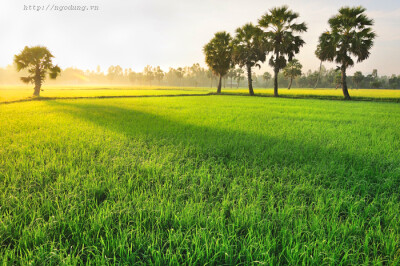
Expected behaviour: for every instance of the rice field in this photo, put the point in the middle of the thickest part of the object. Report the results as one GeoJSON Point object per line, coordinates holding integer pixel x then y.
{"type": "Point", "coordinates": [17, 93]}
{"type": "Point", "coordinates": [337, 94]}
{"type": "Point", "coordinates": [196, 180]}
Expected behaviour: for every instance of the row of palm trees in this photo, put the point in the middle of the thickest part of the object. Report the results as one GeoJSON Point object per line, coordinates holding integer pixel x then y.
{"type": "Point", "coordinates": [278, 35]}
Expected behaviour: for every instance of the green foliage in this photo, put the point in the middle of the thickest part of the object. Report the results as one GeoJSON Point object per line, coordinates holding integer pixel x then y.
{"type": "Point", "coordinates": [357, 78]}
{"type": "Point", "coordinates": [292, 69]}
{"type": "Point", "coordinates": [280, 28]}
{"type": "Point", "coordinates": [394, 82]}
{"type": "Point", "coordinates": [376, 84]}
{"type": "Point", "coordinates": [350, 35]}
{"type": "Point", "coordinates": [338, 78]}
{"type": "Point", "coordinates": [249, 46]}
{"type": "Point", "coordinates": [199, 180]}
{"type": "Point", "coordinates": [239, 75]}
{"type": "Point", "coordinates": [266, 76]}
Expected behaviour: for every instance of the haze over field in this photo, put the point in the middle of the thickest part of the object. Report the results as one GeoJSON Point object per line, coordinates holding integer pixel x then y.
{"type": "Point", "coordinates": [134, 34]}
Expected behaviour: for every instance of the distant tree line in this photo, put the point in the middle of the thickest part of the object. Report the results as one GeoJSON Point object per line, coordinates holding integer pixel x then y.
{"type": "Point", "coordinates": [197, 76]}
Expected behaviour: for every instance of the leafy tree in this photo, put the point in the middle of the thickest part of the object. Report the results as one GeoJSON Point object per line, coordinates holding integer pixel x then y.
{"type": "Point", "coordinates": [350, 35]}
{"type": "Point", "coordinates": [292, 71]}
{"type": "Point", "coordinates": [38, 61]}
{"type": "Point", "coordinates": [239, 76]}
{"type": "Point", "coordinates": [375, 73]}
{"type": "Point", "coordinates": [281, 29]}
{"type": "Point", "coordinates": [358, 78]}
{"type": "Point", "coordinates": [394, 81]}
{"type": "Point", "coordinates": [148, 74]}
{"type": "Point", "coordinates": [114, 72]}
{"type": "Point", "coordinates": [312, 78]}
{"type": "Point", "coordinates": [159, 74]}
{"type": "Point", "coordinates": [266, 77]}
{"type": "Point", "coordinates": [218, 54]}
{"type": "Point", "coordinates": [179, 72]}
{"type": "Point", "coordinates": [338, 79]}
{"type": "Point", "coordinates": [231, 74]}
{"type": "Point", "coordinates": [194, 72]}
{"type": "Point", "coordinates": [376, 84]}
{"type": "Point", "coordinates": [249, 48]}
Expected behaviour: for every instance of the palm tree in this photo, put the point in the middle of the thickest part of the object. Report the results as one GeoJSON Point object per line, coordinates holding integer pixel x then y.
{"type": "Point", "coordinates": [280, 31]}
{"type": "Point", "coordinates": [231, 74]}
{"type": "Point", "coordinates": [239, 76]}
{"type": "Point", "coordinates": [350, 35]}
{"type": "Point", "coordinates": [179, 73]}
{"type": "Point", "coordinates": [149, 74]}
{"type": "Point", "coordinates": [159, 74]}
{"type": "Point", "coordinates": [38, 61]}
{"type": "Point", "coordinates": [249, 48]}
{"type": "Point", "coordinates": [358, 78]}
{"type": "Point", "coordinates": [219, 55]}
{"type": "Point", "coordinates": [292, 71]}
{"type": "Point", "coordinates": [266, 76]}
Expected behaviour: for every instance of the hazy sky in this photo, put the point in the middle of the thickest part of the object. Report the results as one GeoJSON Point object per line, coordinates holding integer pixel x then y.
{"type": "Point", "coordinates": [172, 33]}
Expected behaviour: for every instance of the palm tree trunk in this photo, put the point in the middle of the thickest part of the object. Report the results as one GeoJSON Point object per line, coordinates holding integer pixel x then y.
{"type": "Point", "coordinates": [219, 84]}
{"type": "Point", "coordinates": [319, 75]}
{"type": "Point", "coordinates": [250, 81]}
{"type": "Point", "coordinates": [231, 81]}
{"type": "Point", "coordinates": [36, 91]}
{"type": "Point", "coordinates": [290, 83]}
{"type": "Point", "coordinates": [344, 84]}
{"type": "Point", "coordinates": [276, 71]}
{"type": "Point", "coordinates": [38, 83]}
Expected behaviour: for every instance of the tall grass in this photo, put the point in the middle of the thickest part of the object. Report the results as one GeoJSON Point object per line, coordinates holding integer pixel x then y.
{"type": "Point", "coordinates": [195, 180]}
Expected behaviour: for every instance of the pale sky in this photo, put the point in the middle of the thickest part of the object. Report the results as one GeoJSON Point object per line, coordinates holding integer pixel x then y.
{"type": "Point", "coordinates": [172, 33]}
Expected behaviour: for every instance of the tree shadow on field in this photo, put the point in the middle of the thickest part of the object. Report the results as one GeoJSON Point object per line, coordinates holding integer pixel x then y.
{"type": "Point", "coordinates": [354, 173]}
